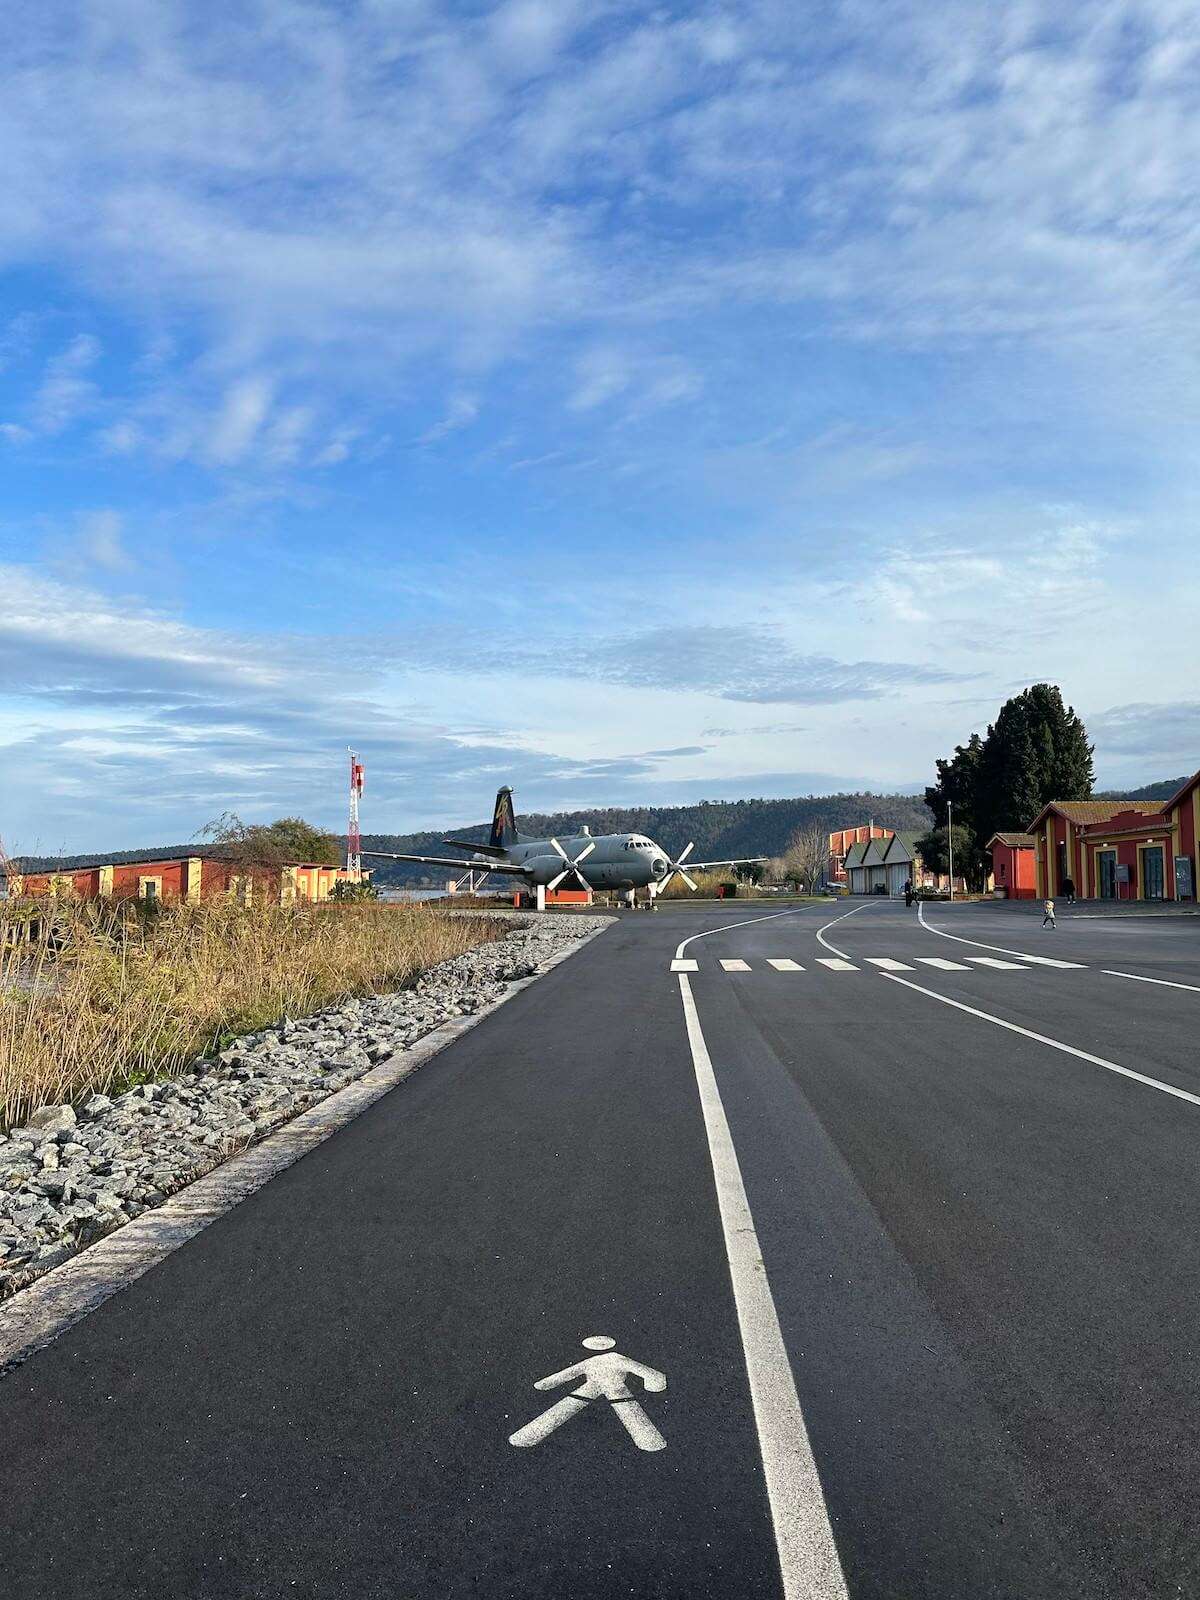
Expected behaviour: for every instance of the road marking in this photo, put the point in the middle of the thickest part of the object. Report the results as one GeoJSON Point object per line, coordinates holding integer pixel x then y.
{"type": "Point", "coordinates": [889, 965]}
{"type": "Point", "coordinates": [836, 964]}
{"type": "Point", "coordinates": [1041, 961]}
{"type": "Point", "coordinates": [808, 1558]}
{"type": "Point", "coordinates": [736, 966]}
{"type": "Point", "coordinates": [782, 964]}
{"type": "Point", "coordinates": [728, 927]}
{"type": "Point", "coordinates": [832, 948]}
{"type": "Point", "coordinates": [1002, 966]}
{"type": "Point", "coordinates": [1041, 1038]}
{"type": "Point", "coordinates": [1137, 978]}
{"type": "Point", "coordinates": [942, 964]}
{"type": "Point", "coordinates": [685, 966]}
{"type": "Point", "coordinates": [603, 1379]}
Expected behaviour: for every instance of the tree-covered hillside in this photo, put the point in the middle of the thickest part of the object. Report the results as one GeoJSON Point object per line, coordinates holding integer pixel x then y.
{"type": "Point", "coordinates": [719, 828]}
{"type": "Point", "coordinates": [1151, 791]}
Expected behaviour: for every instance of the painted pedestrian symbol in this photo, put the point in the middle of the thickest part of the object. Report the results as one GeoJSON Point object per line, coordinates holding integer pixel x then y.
{"type": "Point", "coordinates": [603, 1379]}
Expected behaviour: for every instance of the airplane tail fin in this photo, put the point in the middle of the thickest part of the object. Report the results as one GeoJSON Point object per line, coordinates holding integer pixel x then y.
{"type": "Point", "coordinates": [504, 823]}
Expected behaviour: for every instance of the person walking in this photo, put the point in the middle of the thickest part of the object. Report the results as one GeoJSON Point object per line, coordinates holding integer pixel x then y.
{"type": "Point", "coordinates": [1069, 890]}
{"type": "Point", "coordinates": [908, 892]}
{"type": "Point", "coordinates": [1048, 913]}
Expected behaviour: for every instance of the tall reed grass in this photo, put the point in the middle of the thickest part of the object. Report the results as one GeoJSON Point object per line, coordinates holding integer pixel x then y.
{"type": "Point", "coordinates": [109, 995]}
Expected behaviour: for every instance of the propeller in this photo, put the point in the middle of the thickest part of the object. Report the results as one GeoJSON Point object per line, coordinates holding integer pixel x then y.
{"type": "Point", "coordinates": [677, 867]}
{"type": "Point", "coordinates": [570, 865]}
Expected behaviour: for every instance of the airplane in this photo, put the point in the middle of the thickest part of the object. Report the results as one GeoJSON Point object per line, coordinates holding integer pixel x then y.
{"type": "Point", "coordinates": [624, 861]}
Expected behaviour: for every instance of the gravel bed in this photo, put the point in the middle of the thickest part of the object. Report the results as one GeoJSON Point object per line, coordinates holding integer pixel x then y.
{"type": "Point", "coordinates": [73, 1174]}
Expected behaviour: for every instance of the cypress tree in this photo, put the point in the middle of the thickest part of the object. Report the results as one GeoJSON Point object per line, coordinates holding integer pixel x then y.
{"type": "Point", "coordinates": [1037, 750]}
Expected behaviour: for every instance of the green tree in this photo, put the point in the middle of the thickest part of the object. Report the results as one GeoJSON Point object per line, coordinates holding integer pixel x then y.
{"type": "Point", "coordinates": [285, 842]}
{"type": "Point", "coordinates": [934, 850]}
{"type": "Point", "coordinates": [958, 781]}
{"type": "Point", "coordinates": [1036, 751]}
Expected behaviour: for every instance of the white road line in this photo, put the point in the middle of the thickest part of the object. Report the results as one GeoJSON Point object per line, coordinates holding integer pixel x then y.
{"type": "Point", "coordinates": [993, 961]}
{"type": "Point", "coordinates": [1041, 1038]}
{"type": "Point", "coordinates": [889, 965]}
{"type": "Point", "coordinates": [821, 939]}
{"type": "Point", "coordinates": [736, 966]}
{"type": "Point", "coordinates": [685, 966]}
{"type": "Point", "coordinates": [1138, 978]}
{"type": "Point", "coordinates": [728, 927]}
{"type": "Point", "coordinates": [1041, 961]}
{"type": "Point", "coordinates": [836, 964]}
{"type": "Point", "coordinates": [782, 964]}
{"type": "Point", "coordinates": [942, 964]}
{"type": "Point", "coordinates": [808, 1558]}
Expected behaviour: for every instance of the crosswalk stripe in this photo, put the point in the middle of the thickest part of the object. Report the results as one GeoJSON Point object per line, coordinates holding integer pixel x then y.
{"type": "Point", "coordinates": [837, 966]}
{"type": "Point", "coordinates": [782, 964]}
{"type": "Point", "coordinates": [889, 965]}
{"type": "Point", "coordinates": [736, 966]}
{"type": "Point", "coordinates": [942, 964]}
{"type": "Point", "coordinates": [685, 966]}
{"type": "Point", "coordinates": [994, 961]}
{"type": "Point", "coordinates": [1049, 961]}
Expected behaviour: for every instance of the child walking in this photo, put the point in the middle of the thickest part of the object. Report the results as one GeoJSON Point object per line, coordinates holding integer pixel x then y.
{"type": "Point", "coordinates": [1048, 916]}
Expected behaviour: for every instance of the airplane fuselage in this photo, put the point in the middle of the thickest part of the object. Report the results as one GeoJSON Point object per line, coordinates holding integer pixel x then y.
{"type": "Point", "coordinates": [619, 860]}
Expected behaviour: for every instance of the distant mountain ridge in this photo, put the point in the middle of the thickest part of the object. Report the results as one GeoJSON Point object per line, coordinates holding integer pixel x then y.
{"type": "Point", "coordinates": [1151, 791]}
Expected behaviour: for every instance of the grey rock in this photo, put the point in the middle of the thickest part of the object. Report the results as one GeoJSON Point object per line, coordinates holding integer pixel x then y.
{"type": "Point", "coordinates": [48, 1120]}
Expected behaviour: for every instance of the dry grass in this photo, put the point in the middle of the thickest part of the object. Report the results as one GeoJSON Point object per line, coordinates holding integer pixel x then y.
{"type": "Point", "coordinates": [114, 996]}
{"type": "Point", "coordinates": [706, 885]}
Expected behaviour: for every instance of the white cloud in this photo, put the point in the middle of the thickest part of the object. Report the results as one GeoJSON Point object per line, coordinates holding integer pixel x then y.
{"type": "Point", "coordinates": [65, 390]}
{"type": "Point", "coordinates": [100, 540]}
{"type": "Point", "coordinates": [236, 426]}
{"type": "Point", "coordinates": [464, 408]}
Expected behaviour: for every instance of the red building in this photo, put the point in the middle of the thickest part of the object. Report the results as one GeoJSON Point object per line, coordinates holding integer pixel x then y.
{"type": "Point", "coordinates": [841, 842]}
{"type": "Point", "coordinates": [1120, 849]}
{"type": "Point", "coordinates": [188, 878]}
{"type": "Point", "coordinates": [1014, 865]}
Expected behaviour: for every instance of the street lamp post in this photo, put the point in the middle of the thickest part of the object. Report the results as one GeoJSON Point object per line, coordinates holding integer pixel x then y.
{"type": "Point", "coordinates": [950, 841]}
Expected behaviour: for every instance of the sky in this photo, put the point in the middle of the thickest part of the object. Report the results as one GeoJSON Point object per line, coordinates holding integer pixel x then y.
{"type": "Point", "coordinates": [634, 403]}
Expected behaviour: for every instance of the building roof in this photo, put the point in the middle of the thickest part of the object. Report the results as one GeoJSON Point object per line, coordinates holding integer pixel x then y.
{"type": "Point", "coordinates": [1014, 841]}
{"type": "Point", "coordinates": [854, 856]}
{"type": "Point", "coordinates": [1180, 793]}
{"type": "Point", "coordinates": [876, 852]}
{"type": "Point", "coordinates": [1084, 811]}
{"type": "Point", "coordinates": [902, 847]}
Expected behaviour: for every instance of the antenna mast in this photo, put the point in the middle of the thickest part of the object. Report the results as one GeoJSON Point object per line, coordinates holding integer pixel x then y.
{"type": "Point", "coordinates": [353, 835]}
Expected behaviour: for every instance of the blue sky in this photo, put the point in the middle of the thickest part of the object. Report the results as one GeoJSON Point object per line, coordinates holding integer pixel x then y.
{"type": "Point", "coordinates": [630, 402]}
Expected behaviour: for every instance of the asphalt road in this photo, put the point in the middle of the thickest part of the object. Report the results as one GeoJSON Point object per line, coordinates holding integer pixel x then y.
{"type": "Point", "coordinates": [980, 1248]}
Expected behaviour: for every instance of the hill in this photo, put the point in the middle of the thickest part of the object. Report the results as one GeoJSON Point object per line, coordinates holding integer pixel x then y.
{"type": "Point", "coordinates": [719, 828]}
{"type": "Point", "coordinates": [1152, 791]}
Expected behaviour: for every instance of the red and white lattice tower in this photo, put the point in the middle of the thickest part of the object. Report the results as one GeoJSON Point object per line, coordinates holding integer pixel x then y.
{"type": "Point", "coordinates": [353, 835]}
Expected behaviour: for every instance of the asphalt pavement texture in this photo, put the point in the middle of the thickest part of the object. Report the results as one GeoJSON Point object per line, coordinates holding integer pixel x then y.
{"type": "Point", "coordinates": [981, 1251]}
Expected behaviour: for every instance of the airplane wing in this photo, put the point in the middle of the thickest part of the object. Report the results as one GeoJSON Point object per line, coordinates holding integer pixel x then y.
{"type": "Point", "coordinates": [738, 861]}
{"type": "Point", "coordinates": [459, 864]}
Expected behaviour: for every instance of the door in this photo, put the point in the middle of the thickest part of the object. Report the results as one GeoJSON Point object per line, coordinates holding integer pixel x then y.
{"type": "Point", "coordinates": [1152, 873]}
{"type": "Point", "coordinates": [1106, 864]}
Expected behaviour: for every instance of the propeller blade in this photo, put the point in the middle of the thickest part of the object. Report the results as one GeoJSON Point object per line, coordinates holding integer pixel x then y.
{"type": "Point", "coordinates": [571, 866]}
{"type": "Point", "coordinates": [691, 882]}
{"type": "Point", "coordinates": [684, 854]}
